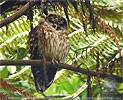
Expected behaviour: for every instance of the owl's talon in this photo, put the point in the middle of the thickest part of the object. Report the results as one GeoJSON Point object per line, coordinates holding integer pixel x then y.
{"type": "Point", "coordinates": [54, 61]}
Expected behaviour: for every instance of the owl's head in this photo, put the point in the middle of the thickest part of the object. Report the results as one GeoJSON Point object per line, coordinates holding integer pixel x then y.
{"type": "Point", "coordinates": [56, 21]}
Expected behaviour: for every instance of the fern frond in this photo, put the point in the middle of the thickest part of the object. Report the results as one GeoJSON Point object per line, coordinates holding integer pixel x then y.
{"type": "Point", "coordinates": [12, 89]}
{"type": "Point", "coordinates": [102, 41]}
{"type": "Point", "coordinates": [20, 73]}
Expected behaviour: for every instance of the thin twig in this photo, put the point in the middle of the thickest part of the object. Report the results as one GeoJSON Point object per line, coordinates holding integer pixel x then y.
{"type": "Point", "coordinates": [60, 65]}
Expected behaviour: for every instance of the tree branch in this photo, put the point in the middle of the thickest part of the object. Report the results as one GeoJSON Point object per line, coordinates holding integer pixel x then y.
{"type": "Point", "coordinates": [7, 5]}
{"type": "Point", "coordinates": [16, 15]}
{"type": "Point", "coordinates": [60, 65]}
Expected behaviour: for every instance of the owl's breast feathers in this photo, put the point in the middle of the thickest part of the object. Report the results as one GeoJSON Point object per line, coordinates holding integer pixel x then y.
{"type": "Point", "coordinates": [56, 47]}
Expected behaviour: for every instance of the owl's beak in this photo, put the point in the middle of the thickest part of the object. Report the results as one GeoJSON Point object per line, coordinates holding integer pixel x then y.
{"type": "Point", "coordinates": [56, 26]}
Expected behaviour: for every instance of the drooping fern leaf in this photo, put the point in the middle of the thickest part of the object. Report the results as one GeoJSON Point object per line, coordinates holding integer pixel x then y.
{"type": "Point", "coordinates": [9, 90]}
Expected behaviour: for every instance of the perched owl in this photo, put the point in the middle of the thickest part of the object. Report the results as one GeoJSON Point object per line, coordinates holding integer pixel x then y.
{"type": "Point", "coordinates": [49, 40]}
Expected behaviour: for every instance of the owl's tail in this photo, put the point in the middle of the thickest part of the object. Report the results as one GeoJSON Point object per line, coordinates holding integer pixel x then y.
{"type": "Point", "coordinates": [41, 83]}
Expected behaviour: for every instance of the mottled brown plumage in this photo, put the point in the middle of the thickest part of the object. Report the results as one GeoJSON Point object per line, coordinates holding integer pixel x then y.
{"type": "Point", "coordinates": [47, 41]}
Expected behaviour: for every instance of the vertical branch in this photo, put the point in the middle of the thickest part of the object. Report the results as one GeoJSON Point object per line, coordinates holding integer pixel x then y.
{"type": "Point", "coordinates": [43, 42]}
{"type": "Point", "coordinates": [121, 61]}
{"type": "Point", "coordinates": [65, 6]}
{"type": "Point", "coordinates": [74, 3]}
{"type": "Point", "coordinates": [89, 92]}
{"type": "Point", "coordinates": [83, 10]}
{"type": "Point", "coordinates": [83, 13]}
{"type": "Point", "coordinates": [88, 5]}
{"type": "Point", "coordinates": [111, 64]}
{"type": "Point", "coordinates": [97, 71]}
{"type": "Point", "coordinates": [30, 16]}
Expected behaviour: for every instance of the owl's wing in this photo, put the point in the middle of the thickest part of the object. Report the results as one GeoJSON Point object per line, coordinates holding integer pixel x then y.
{"type": "Point", "coordinates": [32, 43]}
{"type": "Point", "coordinates": [41, 83]}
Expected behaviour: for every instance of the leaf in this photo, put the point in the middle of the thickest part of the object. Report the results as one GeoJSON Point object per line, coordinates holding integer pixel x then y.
{"type": "Point", "coordinates": [4, 72]}
{"type": "Point", "coordinates": [120, 88]}
{"type": "Point", "coordinates": [11, 69]}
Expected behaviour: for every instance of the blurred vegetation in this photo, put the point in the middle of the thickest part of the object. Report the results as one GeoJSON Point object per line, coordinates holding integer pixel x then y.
{"type": "Point", "coordinates": [17, 81]}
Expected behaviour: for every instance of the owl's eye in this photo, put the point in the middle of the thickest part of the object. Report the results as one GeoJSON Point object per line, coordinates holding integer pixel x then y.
{"type": "Point", "coordinates": [54, 25]}
{"type": "Point", "coordinates": [62, 24]}
{"type": "Point", "coordinates": [50, 20]}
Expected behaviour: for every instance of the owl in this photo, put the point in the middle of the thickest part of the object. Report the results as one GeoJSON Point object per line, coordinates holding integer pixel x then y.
{"type": "Point", "coordinates": [48, 41]}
